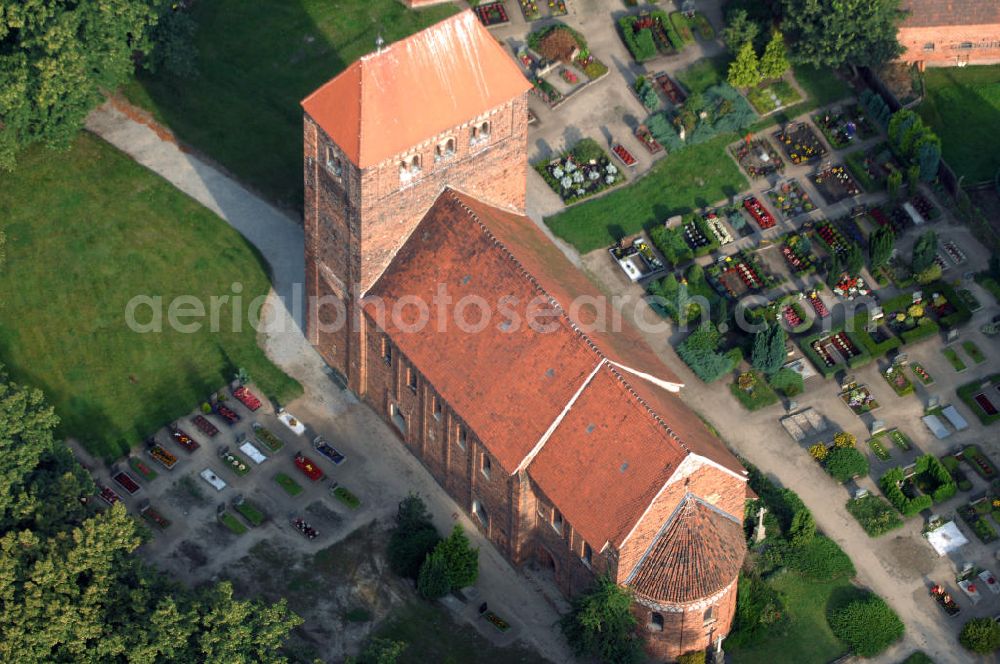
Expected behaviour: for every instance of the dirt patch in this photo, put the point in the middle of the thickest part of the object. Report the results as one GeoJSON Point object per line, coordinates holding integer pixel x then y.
{"type": "Point", "coordinates": [909, 554]}
{"type": "Point", "coordinates": [192, 553]}
{"type": "Point", "coordinates": [185, 495]}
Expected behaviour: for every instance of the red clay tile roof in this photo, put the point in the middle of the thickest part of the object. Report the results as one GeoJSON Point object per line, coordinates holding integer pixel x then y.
{"type": "Point", "coordinates": [415, 89]}
{"type": "Point", "coordinates": [697, 553]}
{"type": "Point", "coordinates": [511, 385]}
{"type": "Point", "coordinates": [932, 13]}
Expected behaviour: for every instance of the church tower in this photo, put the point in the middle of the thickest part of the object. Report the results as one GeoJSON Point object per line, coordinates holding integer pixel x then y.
{"type": "Point", "coordinates": [444, 107]}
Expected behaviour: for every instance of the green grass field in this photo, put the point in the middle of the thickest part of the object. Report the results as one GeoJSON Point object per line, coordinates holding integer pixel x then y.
{"type": "Point", "coordinates": [695, 177]}
{"type": "Point", "coordinates": [257, 60]}
{"type": "Point", "coordinates": [805, 636]}
{"type": "Point", "coordinates": [87, 230]}
{"type": "Point", "coordinates": [958, 104]}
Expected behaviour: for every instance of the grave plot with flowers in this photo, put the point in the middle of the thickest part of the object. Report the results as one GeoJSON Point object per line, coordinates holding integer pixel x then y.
{"type": "Point", "coordinates": [873, 166]}
{"type": "Point", "coordinates": [800, 143]}
{"type": "Point", "coordinates": [844, 125]}
{"type": "Point", "coordinates": [830, 352]}
{"type": "Point", "coordinates": [758, 158]}
{"type": "Point", "coordinates": [582, 172]}
{"type": "Point", "coordinates": [858, 398]}
{"type": "Point", "coordinates": [649, 34]}
{"type": "Point", "coordinates": [759, 213]}
{"type": "Point", "coordinates": [790, 200]}
{"type": "Point", "coordinates": [835, 183]}
{"type": "Point", "coordinates": [492, 13]}
{"type": "Point", "coordinates": [797, 251]}
{"type": "Point", "coordinates": [534, 10]}
{"type": "Point", "coordinates": [738, 274]}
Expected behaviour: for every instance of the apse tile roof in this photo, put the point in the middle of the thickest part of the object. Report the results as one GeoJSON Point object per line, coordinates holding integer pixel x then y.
{"type": "Point", "coordinates": [416, 88]}
{"type": "Point", "coordinates": [598, 441]}
{"type": "Point", "coordinates": [697, 553]}
{"type": "Point", "coordinates": [933, 13]}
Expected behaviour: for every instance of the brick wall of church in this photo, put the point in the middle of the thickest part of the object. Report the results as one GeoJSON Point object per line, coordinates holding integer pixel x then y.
{"type": "Point", "coordinates": [950, 45]}
{"type": "Point", "coordinates": [686, 628]}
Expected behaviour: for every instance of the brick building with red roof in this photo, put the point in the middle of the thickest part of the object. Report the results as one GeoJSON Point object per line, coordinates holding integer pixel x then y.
{"type": "Point", "coordinates": [950, 32]}
{"type": "Point", "coordinates": [452, 315]}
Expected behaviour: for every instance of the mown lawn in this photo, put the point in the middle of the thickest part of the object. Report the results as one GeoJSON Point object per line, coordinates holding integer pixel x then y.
{"type": "Point", "coordinates": [959, 104]}
{"type": "Point", "coordinates": [805, 637]}
{"type": "Point", "coordinates": [88, 230]}
{"type": "Point", "coordinates": [257, 60]}
{"type": "Point", "coordinates": [692, 178]}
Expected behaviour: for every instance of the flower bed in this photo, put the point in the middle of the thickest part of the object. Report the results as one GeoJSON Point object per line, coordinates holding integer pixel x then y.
{"type": "Point", "coordinates": [945, 601]}
{"type": "Point", "coordinates": [752, 391]}
{"type": "Point", "coordinates": [953, 359]}
{"type": "Point", "coordinates": [759, 213]}
{"type": "Point", "coordinates": [327, 450]}
{"type": "Point", "coordinates": [162, 456]}
{"type": "Point", "coordinates": [921, 373]}
{"type": "Point", "coordinates": [899, 439]}
{"type": "Point", "coordinates": [308, 467]}
{"type": "Point", "coordinates": [718, 229]}
{"type": "Point", "coordinates": [795, 250]}
{"type": "Point", "coordinates": [108, 495]}
{"type": "Point", "coordinates": [232, 523]}
{"type": "Point", "coordinates": [979, 462]}
{"type": "Point", "coordinates": [583, 172]}
{"type": "Point", "coordinates": [842, 126]}
{"type": "Point", "coordinates": [187, 442]}
{"type": "Point", "coordinates": [875, 515]}
{"type": "Point", "coordinates": [983, 529]}
{"type": "Point", "coordinates": [569, 76]}
{"type": "Point", "coordinates": [800, 143]}
{"type": "Point", "coordinates": [126, 481]}
{"type": "Point", "coordinates": [673, 92]}
{"type": "Point", "coordinates": [303, 527]}
{"type": "Point", "coordinates": [878, 448]}
{"type": "Point", "coordinates": [897, 379]}
{"type": "Point", "coordinates": [790, 200]}
{"type": "Point", "coordinates": [247, 398]}
{"type": "Point", "coordinates": [833, 238]}
{"type": "Point", "coordinates": [972, 350]}
{"type": "Point", "coordinates": [648, 35]}
{"type": "Point", "coordinates": [267, 439]}
{"type": "Point", "coordinates": [492, 13]}
{"type": "Point", "coordinates": [623, 155]}
{"type": "Point", "coordinates": [154, 517]}
{"type": "Point", "coordinates": [757, 158]}
{"type": "Point", "coordinates": [204, 426]}
{"type": "Point", "coordinates": [290, 486]}
{"type": "Point", "coordinates": [546, 92]}
{"type": "Point", "coordinates": [346, 497]}
{"type": "Point", "coordinates": [144, 471]}
{"type": "Point", "coordinates": [250, 512]}
{"type": "Point", "coordinates": [859, 399]}
{"type": "Point", "coordinates": [817, 304]}
{"type": "Point", "coordinates": [497, 621]}
{"type": "Point", "coordinates": [835, 183]}
{"type": "Point", "coordinates": [234, 463]}
{"type": "Point", "coordinates": [647, 140]}
{"type": "Point", "coordinates": [226, 413]}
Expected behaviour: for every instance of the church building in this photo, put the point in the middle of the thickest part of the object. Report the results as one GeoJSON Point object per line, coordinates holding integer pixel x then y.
{"type": "Point", "coordinates": [561, 434]}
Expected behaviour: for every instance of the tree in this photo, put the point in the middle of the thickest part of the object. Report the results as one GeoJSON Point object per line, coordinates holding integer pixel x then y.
{"type": "Point", "coordinates": [929, 157]}
{"type": "Point", "coordinates": [803, 528]}
{"type": "Point", "coordinates": [924, 252]}
{"type": "Point", "coordinates": [880, 245]}
{"type": "Point", "coordinates": [601, 624]}
{"type": "Point", "coordinates": [740, 29]}
{"type": "Point", "coordinates": [981, 635]}
{"type": "Point", "coordinates": [893, 182]}
{"type": "Point", "coordinates": [769, 349]}
{"type": "Point", "coordinates": [867, 625]}
{"type": "Point", "coordinates": [854, 259]}
{"type": "Point", "coordinates": [744, 71]}
{"type": "Point", "coordinates": [774, 63]}
{"type": "Point", "coordinates": [380, 651]}
{"type": "Point", "coordinates": [843, 463]}
{"type": "Point", "coordinates": [433, 581]}
{"type": "Point", "coordinates": [173, 48]}
{"type": "Point", "coordinates": [413, 537]}
{"type": "Point", "coordinates": [56, 57]}
{"type": "Point", "coordinates": [788, 381]}
{"type": "Point", "coordinates": [913, 178]}
{"type": "Point", "coordinates": [461, 559]}
{"type": "Point", "coordinates": [834, 33]}
{"type": "Point", "coordinates": [699, 351]}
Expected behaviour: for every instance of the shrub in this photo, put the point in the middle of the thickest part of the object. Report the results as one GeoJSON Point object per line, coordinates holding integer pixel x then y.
{"type": "Point", "coordinates": [640, 44]}
{"type": "Point", "coordinates": [758, 607]}
{"type": "Point", "coordinates": [787, 382]}
{"type": "Point", "coordinates": [981, 635]}
{"type": "Point", "coordinates": [601, 624]}
{"type": "Point", "coordinates": [380, 651]}
{"type": "Point", "coordinates": [875, 515]}
{"type": "Point", "coordinates": [433, 581]}
{"type": "Point", "coordinates": [843, 463]}
{"type": "Point", "coordinates": [819, 451]}
{"type": "Point", "coordinates": [906, 506]}
{"type": "Point", "coordinates": [693, 657]}
{"type": "Point", "coordinates": [699, 351]}
{"type": "Point", "coordinates": [844, 439]}
{"type": "Point", "coordinates": [462, 561]}
{"type": "Point", "coordinates": [173, 45]}
{"type": "Point", "coordinates": [820, 559]}
{"type": "Point", "coordinates": [867, 625]}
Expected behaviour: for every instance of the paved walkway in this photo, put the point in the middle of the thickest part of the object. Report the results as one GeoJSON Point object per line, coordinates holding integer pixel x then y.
{"type": "Point", "coordinates": [387, 471]}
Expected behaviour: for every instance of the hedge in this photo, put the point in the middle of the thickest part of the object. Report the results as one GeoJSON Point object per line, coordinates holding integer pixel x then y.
{"type": "Point", "coordinates": [805, 345]}
{"type": "Point", "coordinates": [926, 328]}
{"type": "Point", "coordinates": [862, 338]}
{"type": "Point", "coordinates": [962, 312]}
{"type": "Point", "coordinates": [906, 506]}
{"type": "Point", "coordinates": [867, 625]}
{"type": "Point", "coordinates": [821, 559]}
{"type": "Point", "coordinates": [874, 514]}
{"type": "Point", "coordinates": [843, 463]}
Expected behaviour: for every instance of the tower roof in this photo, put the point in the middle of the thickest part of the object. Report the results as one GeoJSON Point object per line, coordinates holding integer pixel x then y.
{"type": "Point", "coordinates": [415, 89]}
{"type": "Point", "coordinates": [697, 553]}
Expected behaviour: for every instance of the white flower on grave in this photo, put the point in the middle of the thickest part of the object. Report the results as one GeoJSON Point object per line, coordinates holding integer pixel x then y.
{"type": "Point", "coordinates": [557, 172]}
{"type": "Point", "coordinates": [566, 182]}
{"type": "Point", "coordinates": [611, 168]}
{"type": "Point", "coordinates": [570, 166]}
{"type": "Point", "coordinates": [610, 179]}
{"type": "Point", "coordinates": [578, 177]}
{"type": "Point", "coordinates": [594, 175]}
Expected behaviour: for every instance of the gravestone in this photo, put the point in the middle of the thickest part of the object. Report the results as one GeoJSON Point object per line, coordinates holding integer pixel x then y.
{"type": "Point", "coordinates": [952, 335]}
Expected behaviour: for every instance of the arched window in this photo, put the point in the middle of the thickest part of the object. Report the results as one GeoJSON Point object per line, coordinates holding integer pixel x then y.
{"type": "Point", "coordinates": [445, 149]}
{"type": "Point", "coordinates": [479, 133]}
{"type": "Point", "coordinates": [655, 622]}
{"type": "Point", "coordinates": [409, 167]}
{"type": "Point", "coordinates": [481, 514]}
{"type": "Point", "coordinates": [709, 615]}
